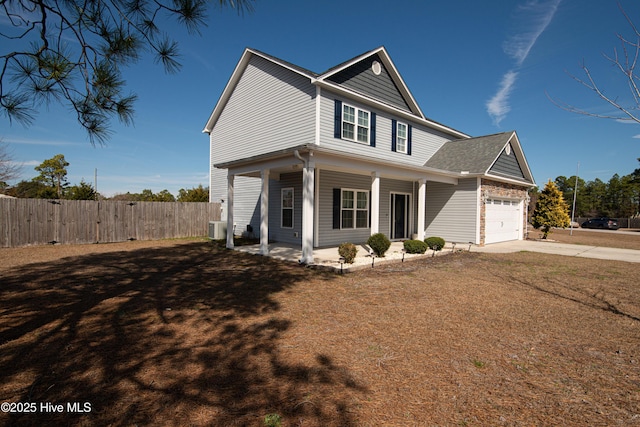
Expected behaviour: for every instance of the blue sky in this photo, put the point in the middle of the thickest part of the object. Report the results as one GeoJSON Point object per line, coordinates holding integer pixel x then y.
{"type": "Point", "coordinates": [479, 67]}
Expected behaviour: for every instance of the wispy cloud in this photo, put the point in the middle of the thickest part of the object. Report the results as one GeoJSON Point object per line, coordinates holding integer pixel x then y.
{"type": "Point", "coordinates": [636, 136]}
{"type": "Point", "coordinates": [498, 106]}
{"type": "Point", "coordinates": [27, 141]}
{"type": "Point", "coordinates": [532, 18]}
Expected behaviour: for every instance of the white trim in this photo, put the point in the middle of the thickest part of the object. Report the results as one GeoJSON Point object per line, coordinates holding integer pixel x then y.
{"type": "Point", "coordinates": [230, 228]}
{"type": "Point", "coordinates": [282, 207]}
{"type": "Point", "coordinates": [394, 75]}
{"type": "Point", "coordinates": [406, 137]}
{"type": "Point", "coordinates": [316, 209]}
{"type": "Point", "coordinates": [407, 115]}
{"type": "Point", "coordinates": [374, 203]}
{"type": "Point", "coordinates": [264, 212]}
{"type": "Point", "coordinates": [408, 215]}
{"type": "Point", "coordinates": [355, 209]}
{"type": "Point", "coordinates": [422, 196]}
{"type": "Point", "coordinates": [318, 114]}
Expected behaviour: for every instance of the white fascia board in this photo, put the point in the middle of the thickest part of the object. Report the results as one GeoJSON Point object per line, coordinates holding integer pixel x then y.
{"type": "Point", "coordinates": [389, 108]}
{"type": "Point", "coordinates": [508, 180]}
{"type": "Point", "coordinates": [228, 90]}
{"type": "Point", "coordinates": [235, 77]}
{"type": "Point", "coordinates": [395, 75]}
{"type": "Point", "coordinates": [523, 159]}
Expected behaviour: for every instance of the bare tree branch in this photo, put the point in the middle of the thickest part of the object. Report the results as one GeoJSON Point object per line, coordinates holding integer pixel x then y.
{"type": "Point", "coordinates": [625, 65]}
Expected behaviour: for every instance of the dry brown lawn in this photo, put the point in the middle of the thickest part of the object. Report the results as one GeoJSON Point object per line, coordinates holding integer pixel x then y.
{"type": "Point", "coordinates": [182, 333]}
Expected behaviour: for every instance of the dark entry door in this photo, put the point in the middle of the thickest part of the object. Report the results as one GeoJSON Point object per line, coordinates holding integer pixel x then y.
{"type": "Point", "coordinates": [399, 212]}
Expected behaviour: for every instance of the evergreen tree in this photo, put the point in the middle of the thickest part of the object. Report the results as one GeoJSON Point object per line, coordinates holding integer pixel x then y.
{"type": "Point", "coordinates": [551, 210]}
{"type": "Point", "coordinates": [83, 191]}
{"type": "Point", "coordinates": [196, 194]}
{"type": "Point", "coordinates": [53, 174]}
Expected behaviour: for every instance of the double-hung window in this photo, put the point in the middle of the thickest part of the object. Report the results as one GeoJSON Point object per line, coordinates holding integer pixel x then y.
{"type": "Point", "coordinates": [354, 208]}
{"type": "Point", "coordinates": [401, 138]}
{"type": "Point", "coordinates": [355, 124]}
{"type": "Point", "coordinates": [287, 207]}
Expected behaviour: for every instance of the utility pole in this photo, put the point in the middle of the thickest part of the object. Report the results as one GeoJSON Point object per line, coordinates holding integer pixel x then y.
{"type": "Point", "coordinates": [575, 193]}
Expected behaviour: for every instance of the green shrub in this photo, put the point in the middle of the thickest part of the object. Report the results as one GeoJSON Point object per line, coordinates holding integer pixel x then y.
{"type": "Point", "coordinates": [435, 243]}
{"type": "Point", "coordinates": [348, 251]}
{"type": "Point", "coordinates": [415, 246]}
{"type": "Point", "coordinates": [379, 243]}
{"type": "Point", "coordinates": [272, 420]}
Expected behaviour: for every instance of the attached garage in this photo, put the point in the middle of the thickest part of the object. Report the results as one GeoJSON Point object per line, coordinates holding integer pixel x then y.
{"type": "Point", "coordinates": [503, 220]}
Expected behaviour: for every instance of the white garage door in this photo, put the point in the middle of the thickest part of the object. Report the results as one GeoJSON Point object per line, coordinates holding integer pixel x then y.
{"type": "Point", "coordinates": [503, 220]}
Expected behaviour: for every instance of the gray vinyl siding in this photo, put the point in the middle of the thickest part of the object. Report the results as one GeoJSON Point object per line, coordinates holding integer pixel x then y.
{"type": "Point", "coordinates": [452, 210]}
{"type": "Point", "coordinates": [507, 164]}
{"type": "Point", "coordinates": [361, 78]}
{"type": "Point", "coordinates": [271, 108]}
{"type": "Point", "coordinates": [425, 141]}
{"type": "Point", "coordinates": [276, 232]}
{"type": "Point", "coordinates": [246, 200]}
{"type": "Point", "coordinates": [328, 236]}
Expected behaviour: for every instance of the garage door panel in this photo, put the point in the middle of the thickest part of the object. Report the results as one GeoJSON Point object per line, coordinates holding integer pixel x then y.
{"type": "Point", "coordinates": [502, 220]}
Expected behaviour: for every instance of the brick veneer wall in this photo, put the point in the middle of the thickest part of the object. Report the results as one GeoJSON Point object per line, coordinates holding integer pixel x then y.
{"type": "Point", "coordinates": [491, 189]}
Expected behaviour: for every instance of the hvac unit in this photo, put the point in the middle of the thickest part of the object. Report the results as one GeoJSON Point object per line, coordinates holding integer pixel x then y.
{"type": "Point", "coordinates": [217, 230]}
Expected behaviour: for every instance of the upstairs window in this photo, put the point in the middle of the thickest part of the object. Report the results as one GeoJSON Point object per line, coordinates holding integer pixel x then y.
{"type": "Point", "coordinates": [355, 124]}
{"type": "Point", "coordinates": [400, 137]}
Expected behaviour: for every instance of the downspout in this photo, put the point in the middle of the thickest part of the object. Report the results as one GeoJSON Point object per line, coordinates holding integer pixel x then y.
{"type": "Point", "coordinates": [302, 159]}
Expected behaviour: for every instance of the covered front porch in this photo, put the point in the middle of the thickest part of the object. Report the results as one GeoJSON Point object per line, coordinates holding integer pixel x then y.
{"type": "Point", "coordinates": [323, 198]}
{"type": "Point", "coordinates": [328, 258]}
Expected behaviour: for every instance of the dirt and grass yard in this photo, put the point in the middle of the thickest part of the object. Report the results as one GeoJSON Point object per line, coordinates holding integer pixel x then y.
{"type": "Point", "coordinates": [184, 332]}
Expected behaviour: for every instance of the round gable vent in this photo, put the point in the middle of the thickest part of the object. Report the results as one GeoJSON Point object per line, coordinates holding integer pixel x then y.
{"type": "Point", "coordinates": [508, 149]}
{"type": "Point", "coordinates": [376, 68]}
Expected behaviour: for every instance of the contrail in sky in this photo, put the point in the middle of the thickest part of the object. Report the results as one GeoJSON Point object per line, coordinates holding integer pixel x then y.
{"type": "Point", "coordinates": [534, 17]}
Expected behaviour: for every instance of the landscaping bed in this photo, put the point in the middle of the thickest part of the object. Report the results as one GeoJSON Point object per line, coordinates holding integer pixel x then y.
{"type": "Point", "coordinates": [184, 332]}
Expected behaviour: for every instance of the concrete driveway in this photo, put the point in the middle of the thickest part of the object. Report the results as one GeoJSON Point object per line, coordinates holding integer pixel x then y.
{"type": "Point", "coordinates": [564, 249]}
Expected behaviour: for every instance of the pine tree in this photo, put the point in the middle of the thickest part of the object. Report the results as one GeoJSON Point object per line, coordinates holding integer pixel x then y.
{"type": "Point", "coordinates": [551, 210]}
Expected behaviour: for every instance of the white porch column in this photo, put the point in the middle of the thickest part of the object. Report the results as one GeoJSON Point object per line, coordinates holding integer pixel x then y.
{"type": "Point", "coordinates": [264, 213]}
{"type": "Point", "coordinates": [422, 195]}
{"type": "Point", "coordinates": [230, 210]}
{"type": "Point", "coordinates": [308, 203]}
{"type": "Point", "coordinates": [375, 202]}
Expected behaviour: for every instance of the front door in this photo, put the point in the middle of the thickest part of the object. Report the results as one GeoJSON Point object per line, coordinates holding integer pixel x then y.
{"type": "Point", "coordinates": [399, 216]}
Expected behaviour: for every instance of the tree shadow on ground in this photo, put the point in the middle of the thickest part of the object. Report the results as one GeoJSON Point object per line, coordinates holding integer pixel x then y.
{"type": "Point", "coordinates": [178, 335]}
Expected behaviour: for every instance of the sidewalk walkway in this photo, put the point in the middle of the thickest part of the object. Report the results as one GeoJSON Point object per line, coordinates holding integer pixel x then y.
{"type": "Point", "coordinates": [329, 258]}
{"type": "Point", "coordinates": [565, 249]}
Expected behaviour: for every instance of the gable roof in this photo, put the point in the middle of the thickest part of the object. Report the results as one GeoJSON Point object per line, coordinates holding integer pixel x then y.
{"type": "Point", "coordinates": [347, 79]}
{"type": "Point", "coordinates": [387, 85]}
{"type": "Point", "coordinates": [499, 155]}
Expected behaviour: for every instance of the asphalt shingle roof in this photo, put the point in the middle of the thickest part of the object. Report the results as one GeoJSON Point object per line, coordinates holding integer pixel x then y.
{"type": "Point", "coordinates": [473, 155]}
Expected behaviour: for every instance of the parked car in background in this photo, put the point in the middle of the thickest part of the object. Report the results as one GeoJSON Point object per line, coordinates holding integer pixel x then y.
{"type": "Point", "coordinates": [605, 223]}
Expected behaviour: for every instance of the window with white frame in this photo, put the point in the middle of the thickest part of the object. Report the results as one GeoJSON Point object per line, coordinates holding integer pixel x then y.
{"type": "Point", "coordinates": [355, 124]}
{"type": "Point", "coordinates": [354, 211]}
{"type": "Point", "coordinates": [401, 137]}
{"type": "Point", "coordinates": [287, 207]}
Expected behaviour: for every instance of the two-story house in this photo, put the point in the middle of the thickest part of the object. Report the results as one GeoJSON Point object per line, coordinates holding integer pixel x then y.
{"type": "Point", "coordinates": [320, 159]}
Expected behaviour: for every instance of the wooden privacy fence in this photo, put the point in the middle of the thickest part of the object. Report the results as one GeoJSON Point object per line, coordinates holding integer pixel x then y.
{"type": "Point", "coordinates": [39, 221]}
